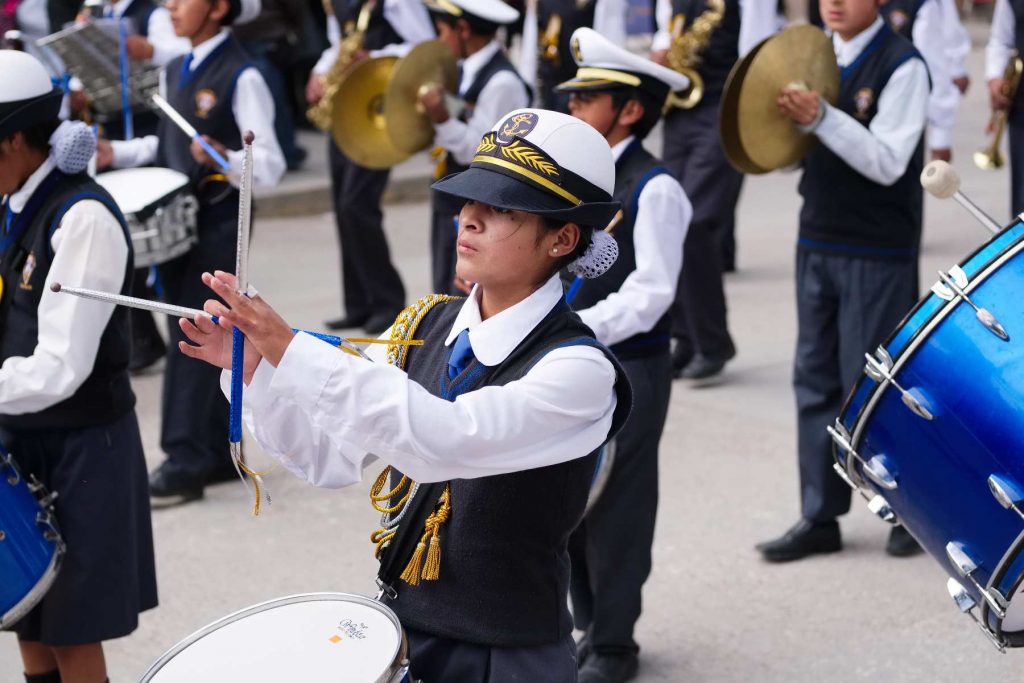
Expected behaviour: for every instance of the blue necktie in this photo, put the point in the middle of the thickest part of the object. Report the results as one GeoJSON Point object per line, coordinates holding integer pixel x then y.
{"type": "Point", "coordinates": [186, 68]}
{"type": "Point", "coordinates": [462, 354]}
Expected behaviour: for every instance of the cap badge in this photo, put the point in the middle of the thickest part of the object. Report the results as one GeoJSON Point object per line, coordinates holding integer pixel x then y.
{"type": "Point", "coordinates": [577, 53]}
{"type": "Point", "coordinates": [206, 100]}
{"type": "Point", "coordinates": [863, 100]}
{"type": "Point", "coordinates": [517, 126]}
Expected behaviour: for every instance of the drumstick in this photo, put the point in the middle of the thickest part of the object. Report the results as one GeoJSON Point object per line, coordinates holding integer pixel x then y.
{"type": "Point", "coordinates": [187, 128]}
{"type": "Point", "coordinates": [578, 282]}
{"type": "Point", "coordinates": [237, 338]}
{"type": "Point", "coordinates": [126, 98]}
{"type": "Point", "coordinates": [941, 180]}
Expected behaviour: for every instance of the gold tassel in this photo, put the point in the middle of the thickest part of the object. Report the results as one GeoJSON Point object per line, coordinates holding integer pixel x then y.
{"type": "Point", "coordinates": [411, 575]}
{"type": "Point", "coordinates": [432, 569]}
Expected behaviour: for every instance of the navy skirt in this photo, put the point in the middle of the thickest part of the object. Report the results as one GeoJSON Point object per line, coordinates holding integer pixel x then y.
{"type": "Point", "coordinates": [108, 576]}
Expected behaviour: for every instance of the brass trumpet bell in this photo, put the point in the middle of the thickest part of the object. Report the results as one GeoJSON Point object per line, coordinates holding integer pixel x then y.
{"type": "Point", "coordinates": [359, 124]}
{"type": "Point", "coordinates": [756, 136]}
{"type": "Point", "coordinates": [689, 98]}
{"type": "Point", "coordinates": [989, 158]}
{"type": "Point", "coordinates": [427, 64]}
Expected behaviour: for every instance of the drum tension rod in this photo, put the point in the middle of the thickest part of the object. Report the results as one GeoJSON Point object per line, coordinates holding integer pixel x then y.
{"type": "Point", "coordinates": [879, 368]}
{"type": "Point", "coordinates": [965, 565]}
{"type": "Point", "coordinates": [876, 503]}
{"type": "Point", "coordinates": [952, 284]}
{"type": "Point", "coordinates": [966, 604]}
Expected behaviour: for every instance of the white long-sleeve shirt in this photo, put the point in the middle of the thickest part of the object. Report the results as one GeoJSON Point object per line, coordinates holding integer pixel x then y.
{"type": "Point", "coordinates": [159, 32]}
{"type": "Point", "coordinates": [325, 415]}
{"type": "Point", "coordinates": [253, 107]}
{"type": "Point", "coordinates": [758, 20]}
{"type": "Point", "coordinates": [410, 20]}
{"type": "Point", "coordinates": [503, 93]}
{"type": "Point", "coordinates": [1002, 41]}
{"type": "Point", "coordinates": [90, 251]}
{"type": "Point", "coordinates": [958, 41]}
{"type": "Point", "coordinates": [659, 229]}
{"type": "Point", "coordinates": [882, 151]}
{"type": "Point", "coordinates": [929, 36]}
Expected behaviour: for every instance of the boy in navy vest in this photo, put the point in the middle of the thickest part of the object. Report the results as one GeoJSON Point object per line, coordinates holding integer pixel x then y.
{"type": "Point", "coordinates": [221, 94]}
{"type": "Point", "coordinates": [496, 416]}
{"type": "Point", "coordinates": [621, 95]}
{"type": "Point", "coordinates": [67, 411]}
{"type": "Point", "coordinates": [856, 261]}
{"type": "Point", "coordinates": [1007, 37]}
{"type": "Point", "coordinates": [490, 86]}
{"type": "Point", "coordinates": [371, 287]}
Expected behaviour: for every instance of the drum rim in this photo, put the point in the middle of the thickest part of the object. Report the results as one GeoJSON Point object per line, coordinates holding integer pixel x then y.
{"type": "Point", "coordinates": [867, 409]}
{"type": "Point", "coordinates": [32, 598]}
{"type": "Point", "coordinates": [148, 209]}
{"type": "Point", "coordinates": [397, 657]}
{"type": "Point", "coordinates": [1011, 638]}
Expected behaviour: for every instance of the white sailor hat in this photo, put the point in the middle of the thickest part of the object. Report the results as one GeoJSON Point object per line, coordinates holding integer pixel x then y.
{"type": "Point", "coordinates": [27, 95]}
{"type": "Point", "coordinates": [541, 162]}
{"type": "Point", "coordinates": [603, 65]}
{"type": "Point", "coordinates": [243, 11]}
{"type": "Point", "coordinates": [479, 13]}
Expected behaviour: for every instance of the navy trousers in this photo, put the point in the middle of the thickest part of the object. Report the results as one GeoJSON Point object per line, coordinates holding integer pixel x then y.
{"type": "Point", "coordinates": [440, 660]}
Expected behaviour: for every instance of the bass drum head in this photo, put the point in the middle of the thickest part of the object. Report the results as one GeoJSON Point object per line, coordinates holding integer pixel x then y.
{"type": "Point", "coordinates": [310, 637]}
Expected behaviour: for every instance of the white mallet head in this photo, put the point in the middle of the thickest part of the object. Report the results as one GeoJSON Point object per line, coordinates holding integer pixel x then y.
{"type": "Point", "coordinates": [940, 179]}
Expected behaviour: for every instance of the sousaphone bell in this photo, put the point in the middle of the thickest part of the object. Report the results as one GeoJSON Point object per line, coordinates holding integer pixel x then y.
{"type": "Point", "coordinates": [378, 120]}
{"type": "Point", "coordinates": [756, 136]}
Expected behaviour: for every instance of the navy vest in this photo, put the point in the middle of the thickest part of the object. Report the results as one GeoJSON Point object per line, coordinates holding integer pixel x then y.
{"type": "Point", "coordinates": [204, 98]}
{"type": "Point", "coordinates": [380, 33]}
{"type": "Point", "coordinates": [901, 15]}
{"type": "Point", "coordinates": [634, 168]}
{"type": "Point", "coordinates": [844, 211]}
{"type": "Point", "coordinates": [573, 16]}
{"type": "Point", "coordinates": [722, 50]}
{"type": "Point", "coordinates": [504, 574]}
{"type": "Point", "coordinates": [106, 394]}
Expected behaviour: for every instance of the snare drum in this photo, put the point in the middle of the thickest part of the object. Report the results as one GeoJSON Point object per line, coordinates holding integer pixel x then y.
{"type": "Point", "coordinates": [31, 548]}
{"type": "Point", "coordinates": [933, 433]}
{"type": "Point", "coordinates": [309, 637]}
{"type": "Point", "coordinates": [160, 209]}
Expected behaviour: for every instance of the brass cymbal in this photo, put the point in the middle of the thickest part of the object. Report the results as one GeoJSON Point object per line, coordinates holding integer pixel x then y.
{"type": "Point", "coordinates": [358, 124]}
{"type": "Point", "coordinates": [756, 136]}
{"type": "Point", "coordinates": [428, 63]}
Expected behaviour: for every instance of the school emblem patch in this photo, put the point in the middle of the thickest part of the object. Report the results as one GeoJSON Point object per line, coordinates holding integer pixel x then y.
{"type": "Point", "coordinates": [575, 47]}
{"type": "Point", "coordinates": [898, 19]}
{"type": "Point", "coordinates": [863, 100]}
{"type": "Point", "coordinates": [206, 100]}
{"type": "Point", "coordinates": [26, 272]}
{"type": "Point", "coordinates": [518, 126]}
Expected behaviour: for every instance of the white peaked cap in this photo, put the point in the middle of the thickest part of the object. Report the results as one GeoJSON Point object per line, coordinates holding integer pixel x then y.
{"type": "Point", "coordinates": [494, 11]}
{"type": "Point", "coordinates": [603, 64]}
{"type": "Point", "coordinates": [27, 95]}
{"type": "Point", "coordinates": [250, 9]}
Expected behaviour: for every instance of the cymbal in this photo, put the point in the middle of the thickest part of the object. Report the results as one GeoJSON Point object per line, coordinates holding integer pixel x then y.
{"type": "Point", "coordinates": [428, 63]}
{"type": "Point", "coordinates": [358, 124]}
{"type": "Point", "coordinates": [756, 136]}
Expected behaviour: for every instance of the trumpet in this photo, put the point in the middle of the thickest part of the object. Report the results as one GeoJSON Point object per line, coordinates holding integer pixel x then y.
{"type": "Point", "coordinates": [321, 114]}
{"type": "Point", "coordinates": [684, 54]}
{"type": "Point", "coordinates": [989, 158]}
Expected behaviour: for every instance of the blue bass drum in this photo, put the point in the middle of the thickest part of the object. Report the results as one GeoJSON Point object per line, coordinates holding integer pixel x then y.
{"type": "Point", "coordinates": [933, 433]}
{"type": "Point", "coordinates": [31, 548]}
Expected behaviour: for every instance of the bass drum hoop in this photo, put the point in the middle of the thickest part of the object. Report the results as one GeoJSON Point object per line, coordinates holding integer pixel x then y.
{"type": "Point", "coordinates": [398, 661]}
{"type": "Point", "coordinates": [1014, 638]}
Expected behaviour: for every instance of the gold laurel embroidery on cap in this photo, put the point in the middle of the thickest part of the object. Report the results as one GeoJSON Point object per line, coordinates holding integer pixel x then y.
{"type": "Point", "coordinates": [528, 156]}
{"type": "Point", "coordinates": [486, 144]}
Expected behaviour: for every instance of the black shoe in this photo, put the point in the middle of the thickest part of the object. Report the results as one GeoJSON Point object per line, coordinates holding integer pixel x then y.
{"type": "Point", "coordinates": [805, 538]}
{"type": "Point", "coordinates": [608, 668]}
{"type": "Point", "coordinates": [902, 544]}
{"type": "Point", "coordinates": [145, 356]}
{"type": "Point", "coordinates": [170, 485]}
{"type": "Point", "coordinates": [703, 368]}
{"type": "Point", "coordinates": [583, 651]}
{"type": "Point", "coordinates": [682, 354]}
{"type": "Point", "coordinates": [347, 322]}
{"type": "Point", "coordinates": [378, 322]}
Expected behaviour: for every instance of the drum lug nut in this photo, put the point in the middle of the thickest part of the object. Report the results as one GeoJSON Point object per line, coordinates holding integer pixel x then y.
{"type": "Point", "coordinates": [952, 285]}
{"type": "Point", "coordinates": [880, 368]}
{"type": "Point", "coordinates": [965, 566]}
{"type": "Point", "coordinates": [965, 602]}
{"type": "Point", "coordinates": [880, 506]}
{"type": "Point", "coordinates": [1006, 493]}
{"type": "Point", "coordinates": [881, 472]}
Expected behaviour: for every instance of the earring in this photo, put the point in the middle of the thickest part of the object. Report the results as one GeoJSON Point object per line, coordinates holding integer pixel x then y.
{"type": "Point", "coordinates": [554, 251]}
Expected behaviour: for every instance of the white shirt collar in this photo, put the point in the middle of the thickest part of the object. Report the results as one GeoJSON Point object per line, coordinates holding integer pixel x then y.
{"type": "Point", "coordinates": [203, 49]}
{"type": "Point", "coordinates": [847, 51]}
{"type": "Point", "coordinates": [18, 200]}
{"type": "Point", "coordinates": [472, 64]}
{"type": "Point", "coordinates": [498, 336]}
{"type": "Point", "coordinates": [620, 147]}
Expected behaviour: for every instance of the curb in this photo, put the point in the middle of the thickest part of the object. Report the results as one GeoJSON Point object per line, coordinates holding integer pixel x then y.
{"type": "Point", "coordinates": [312, 200]}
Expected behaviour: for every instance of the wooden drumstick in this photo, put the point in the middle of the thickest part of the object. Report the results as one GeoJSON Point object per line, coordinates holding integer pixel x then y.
{"type": "Point", "coordinates": [942, 181]}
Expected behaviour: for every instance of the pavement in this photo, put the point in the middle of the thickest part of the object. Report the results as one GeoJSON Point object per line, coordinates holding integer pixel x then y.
{"type": "Point", "coordinates": [713, 610]}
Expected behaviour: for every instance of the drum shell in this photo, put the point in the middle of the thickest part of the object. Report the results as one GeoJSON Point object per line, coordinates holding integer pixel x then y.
{"type": "Point", "coordinates": [30, 548]}
{"type": "Point", "coordinates": [972, 382]}
{"type": "Point", "coordinates": [165, 230]}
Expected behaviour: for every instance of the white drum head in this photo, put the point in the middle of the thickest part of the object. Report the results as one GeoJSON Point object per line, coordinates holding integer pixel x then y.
{"type": "Point", "coordinates": [136, 188]}
{"type": "Point", "coordinates": [311, 637]}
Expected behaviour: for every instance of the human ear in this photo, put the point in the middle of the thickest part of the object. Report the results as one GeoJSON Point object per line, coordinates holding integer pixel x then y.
{"type": "Point", "coordinates": [565, 239]}
{"type": "Point", "coordinates": [632, 113]}
{"type": "Point", "coordinates": [220, 10]}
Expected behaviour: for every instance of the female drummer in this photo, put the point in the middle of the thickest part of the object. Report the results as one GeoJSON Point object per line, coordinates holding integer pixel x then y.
{"type": "Point", "coordinates": [506, 401]}
{"type": "Point", "coordinates": [66, 404]}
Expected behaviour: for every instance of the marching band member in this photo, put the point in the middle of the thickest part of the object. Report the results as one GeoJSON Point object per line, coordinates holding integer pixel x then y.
{"type": "Point", "coordinates": [489, 85]}
{"type": "Point", "coordinates": [496, 417]}
{"type": "Point", "coordinates": [693, 152]}
{"type": "Point", "coordinates": [1005, 38]}
{"type": "Point", "coordinates": [856, 260]}
{"type": "Point", "coordinates": [221, 95]}
{"type": "Point", "coordinates": [372, 289]}
{"type": "Point", "coordinates": [67, 410]}
{"type": "Point", "coordinates": [621, 95]}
